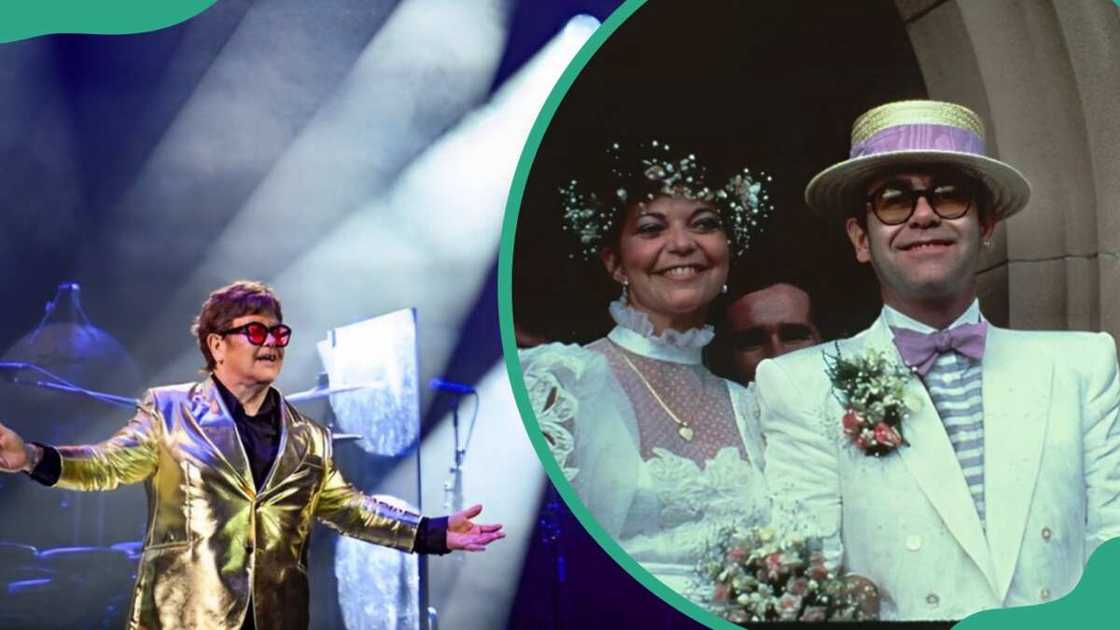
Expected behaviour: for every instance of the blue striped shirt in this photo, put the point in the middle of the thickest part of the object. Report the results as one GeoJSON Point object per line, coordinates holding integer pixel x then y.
{"type": "Point", "coordinates": [955, 387]}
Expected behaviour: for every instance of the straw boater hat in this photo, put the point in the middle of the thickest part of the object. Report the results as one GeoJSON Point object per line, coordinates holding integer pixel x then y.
{"type": "Point", "coordinates": [917, 133]}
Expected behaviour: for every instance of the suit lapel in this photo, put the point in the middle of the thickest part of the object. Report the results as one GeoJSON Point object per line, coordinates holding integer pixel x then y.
{"type": "Point", "coordinates": [933, 463]}
{"type": "Point", "coordinates": [217, 425]}
{"type": "Point", "coordinates": [1016, 406]}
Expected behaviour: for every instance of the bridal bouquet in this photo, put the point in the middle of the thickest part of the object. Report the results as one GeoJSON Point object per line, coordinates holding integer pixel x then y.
{"type": "Point", "coordinates": [760, 575]}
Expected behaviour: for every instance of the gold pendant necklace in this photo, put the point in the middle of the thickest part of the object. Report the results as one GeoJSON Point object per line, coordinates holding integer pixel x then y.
{"type": "Point", "coordinates": [683, 429]}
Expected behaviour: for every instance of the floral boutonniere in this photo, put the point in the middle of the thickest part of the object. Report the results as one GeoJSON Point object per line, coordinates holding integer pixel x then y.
{"type": "Point", "coordinates": [871, 389]}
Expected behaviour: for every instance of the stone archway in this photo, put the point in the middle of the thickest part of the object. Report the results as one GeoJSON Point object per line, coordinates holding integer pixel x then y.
{"type": "Point", "coordinates": [1043, 74]}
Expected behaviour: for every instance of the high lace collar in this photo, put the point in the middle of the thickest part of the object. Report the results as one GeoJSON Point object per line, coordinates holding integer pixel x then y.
{"type": "Point", "coordinates": [635, 333]}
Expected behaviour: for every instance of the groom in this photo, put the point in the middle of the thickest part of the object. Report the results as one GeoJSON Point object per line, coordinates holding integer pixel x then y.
{"type": "Point", "coordinates": [1009, 476]}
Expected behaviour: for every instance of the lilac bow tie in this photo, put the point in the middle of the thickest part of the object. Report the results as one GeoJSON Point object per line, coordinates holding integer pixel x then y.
{"type": "Point", "coordinates": [920, 350]}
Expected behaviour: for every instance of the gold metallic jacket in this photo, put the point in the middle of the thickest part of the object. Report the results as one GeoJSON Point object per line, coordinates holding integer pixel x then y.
{"type": "Point", "coordinates": [213, 541]}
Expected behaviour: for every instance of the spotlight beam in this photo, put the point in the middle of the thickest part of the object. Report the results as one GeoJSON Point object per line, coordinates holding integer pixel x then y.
{"type": "Point", "coordinates": [415, 79]}
{"type": "Point", "coordinates": [269, 78]}
{"type": "Point", "coordinates": [431, 240]}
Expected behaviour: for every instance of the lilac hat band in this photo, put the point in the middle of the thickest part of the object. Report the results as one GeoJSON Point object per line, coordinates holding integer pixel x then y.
{"type": "Point", "coordinates": [920, 137]}
{"type": "Point", "coordinates": [916, 133]}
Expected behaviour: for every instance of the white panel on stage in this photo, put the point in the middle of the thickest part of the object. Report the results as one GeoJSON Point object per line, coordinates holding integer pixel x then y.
{"type": "Point", "coordinates": [379, 357]}
{"type": "Point", "coordinates": [374, 362]}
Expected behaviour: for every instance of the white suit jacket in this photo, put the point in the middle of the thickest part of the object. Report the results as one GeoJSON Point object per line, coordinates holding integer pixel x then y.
{"type": "Point", "coordinates": [907, 521]}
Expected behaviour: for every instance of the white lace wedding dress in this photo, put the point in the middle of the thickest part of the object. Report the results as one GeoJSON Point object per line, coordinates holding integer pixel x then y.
{"type": "Point", "coordinates": [607, 411]}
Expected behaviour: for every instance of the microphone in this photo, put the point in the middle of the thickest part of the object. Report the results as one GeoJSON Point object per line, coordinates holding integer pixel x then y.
{"type": "Point", "coordinates": [450, 386]}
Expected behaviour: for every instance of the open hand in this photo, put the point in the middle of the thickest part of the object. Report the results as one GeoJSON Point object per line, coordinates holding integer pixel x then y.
{"type": "Point", "coordinates": [463, 533]}
{"type": "Point", "coordinates": [13, 453]}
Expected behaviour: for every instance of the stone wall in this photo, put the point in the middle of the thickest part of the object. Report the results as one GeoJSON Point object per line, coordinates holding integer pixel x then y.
{"type": "Point", "coordinates": [1044, 76]}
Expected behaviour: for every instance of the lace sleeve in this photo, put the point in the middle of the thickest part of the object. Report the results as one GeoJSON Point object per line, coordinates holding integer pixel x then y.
{"type": "Point", "coordinates": [546, 370]}
{"type": "Point", "coordinates": [589, 425]}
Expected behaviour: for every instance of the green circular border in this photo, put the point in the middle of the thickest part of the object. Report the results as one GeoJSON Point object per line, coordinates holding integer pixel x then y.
{"type": "Point", "coordinates": [26, 19]}
{"type": "Point", "coordinates": [509, 343]}
{"type": "Point", "coordinates": [1088, 603]}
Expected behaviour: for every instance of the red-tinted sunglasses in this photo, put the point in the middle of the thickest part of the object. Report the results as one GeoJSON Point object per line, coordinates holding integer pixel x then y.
{"type": "Point", "coordinates": [257, 333]}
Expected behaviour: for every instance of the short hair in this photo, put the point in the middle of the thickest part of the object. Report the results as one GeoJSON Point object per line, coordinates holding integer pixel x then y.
{"type": "Point", "coordinates": [222, 306]}
{"type": "Point", "coordinates": [751, 279]}
{"type": "Point", "coordinates": [718, 355]}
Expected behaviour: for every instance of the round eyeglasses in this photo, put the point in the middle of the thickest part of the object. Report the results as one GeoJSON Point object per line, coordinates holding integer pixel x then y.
{"type": "Point", "coordinates": [257, 333]}
{"type": "Point", "coordinates": [895, 202]}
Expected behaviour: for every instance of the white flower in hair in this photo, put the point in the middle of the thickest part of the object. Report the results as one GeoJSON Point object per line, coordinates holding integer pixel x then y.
{"type": "Point", "coordinates": [743, 202]}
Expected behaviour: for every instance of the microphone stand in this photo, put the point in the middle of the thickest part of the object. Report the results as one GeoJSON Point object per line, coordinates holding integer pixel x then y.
{"type": "Point", "coordinates": [453, 488]}
{"type": "Point", "coordinates": [62, 385]}
{"type": "Point", "coordinates": [120, 401]}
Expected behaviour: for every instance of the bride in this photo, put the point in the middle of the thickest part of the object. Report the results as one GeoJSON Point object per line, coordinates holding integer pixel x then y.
{"type": "Point", "coordinates": [662, 452]}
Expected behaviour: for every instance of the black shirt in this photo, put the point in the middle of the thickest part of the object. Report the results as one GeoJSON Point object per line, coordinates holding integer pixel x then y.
{"type": "Point", "coordinates": [260, 434]}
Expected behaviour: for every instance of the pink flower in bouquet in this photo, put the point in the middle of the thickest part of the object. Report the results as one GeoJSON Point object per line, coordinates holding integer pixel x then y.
{"type": "Point", "coordinates": [798, 586]}
{"type": "Point", "coordinates": [886, 435]}
{"type": "Point", "coordinates": [789, 606]}
{"type": "Point", "coordinates": [738, 616]}
{"type": "Point", "coordinates": [817, 569]}
{"type": "Point", "coordinates": [814, 613]}
{"type": "Point", "coordinates": [737, 554]}
{"type": "Point", "coordinates": [722, 593]}
{"type": "Point", "coordinates": [852, 422]}
{"type": "Point", "coordinates": [792, 560]}
{"type": "Point", "coordinates": [774, 565]}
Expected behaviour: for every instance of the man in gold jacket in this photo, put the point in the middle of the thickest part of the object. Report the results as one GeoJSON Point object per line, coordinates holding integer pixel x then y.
{"type": "Point", "coordinates": [236, 478]}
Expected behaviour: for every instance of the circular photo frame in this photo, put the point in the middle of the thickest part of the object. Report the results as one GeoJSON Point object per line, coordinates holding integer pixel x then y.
{"type": "Point", "coordinates": [773, 88]}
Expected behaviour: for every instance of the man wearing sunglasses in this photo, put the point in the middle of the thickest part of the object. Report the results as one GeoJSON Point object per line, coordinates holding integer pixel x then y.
{"type": "Point", "coordinates": [236, 477]}
{"type": "Point", "coordinates": [768, 323]}
{"type": "Point", "coordinates": [1003, 475]}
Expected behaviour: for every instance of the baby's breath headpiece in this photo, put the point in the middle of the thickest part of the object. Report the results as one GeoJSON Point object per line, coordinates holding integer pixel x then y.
{"type": "Point", "coordinates": [652, 169]}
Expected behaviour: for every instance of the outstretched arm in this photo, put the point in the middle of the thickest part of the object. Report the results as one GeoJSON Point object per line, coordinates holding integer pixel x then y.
{"type": "Point", "coordinates": [385, 521]}
{"type": "Point", "coordinates": [465, 534]}
{"type": "Point", "coordinates": [127, 457]}
{"type": "Point", "coordinates": [15, 454]}
{"type": "Point", "coordinates": [379, 520]}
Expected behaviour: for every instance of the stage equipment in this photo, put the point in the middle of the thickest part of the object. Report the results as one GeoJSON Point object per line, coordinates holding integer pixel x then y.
{"type": "Point", "coordinates": [373, 390]}
{"type": "Point", "coordinates": [453, 488]}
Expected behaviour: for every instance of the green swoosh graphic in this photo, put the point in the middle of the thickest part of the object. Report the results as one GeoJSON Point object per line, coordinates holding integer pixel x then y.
{"type": "Point", "coordinates": [21, 19]}
{"type": "Point", "coordinates": [1090, 605]}
{"type": "Point", "coordinates": [509, 343]}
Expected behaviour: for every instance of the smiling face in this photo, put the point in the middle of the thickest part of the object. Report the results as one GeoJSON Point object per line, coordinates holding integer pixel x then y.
{"type": "Point", "coordinates": [926, 259]}
{"type": "Point", "coordinates": [239, 362]}
{"type": "Point", "coordinates": [673, 253]}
